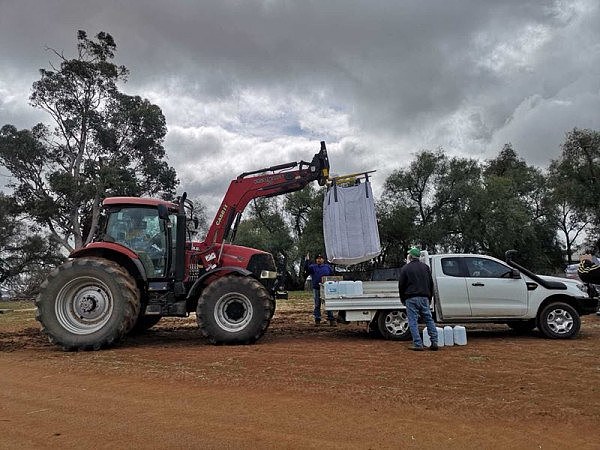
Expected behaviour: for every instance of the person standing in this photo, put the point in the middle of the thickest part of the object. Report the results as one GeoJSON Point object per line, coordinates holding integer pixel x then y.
{"type": "Point", "coordinates": [415, 286]}
{"type": "Point", "coordinates": [317, 271]}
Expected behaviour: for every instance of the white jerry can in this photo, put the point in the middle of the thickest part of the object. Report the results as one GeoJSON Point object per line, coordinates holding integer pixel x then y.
{"type": "Point", "coordinates": [426, 338]}
{"type": "Point", "coordinates": [448, 336]}
{"type": "Point", "coordinates": [440, 332]}
{"type": "Point", "coordinates": [330, 288]}
{"type": "Point", "coordinates": [460, 335]}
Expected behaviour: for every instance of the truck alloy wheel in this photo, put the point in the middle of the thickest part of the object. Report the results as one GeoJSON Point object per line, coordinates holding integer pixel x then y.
{"type": "Point", "coordinates": [393, 325]}
{"type": "Point", "coordinates": [559, 321]}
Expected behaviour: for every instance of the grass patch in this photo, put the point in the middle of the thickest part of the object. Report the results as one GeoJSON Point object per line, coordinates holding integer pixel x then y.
{"type": "Point", "coordinates": [300, 295]}
{"type": "Point", "coordinates": [17, 304]}
{"type": "Point", "coordinates": [17, 315]}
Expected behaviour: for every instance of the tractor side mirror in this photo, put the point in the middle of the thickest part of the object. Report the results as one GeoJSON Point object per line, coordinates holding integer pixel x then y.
{"type": "Point", "coordinates": [163, 212]}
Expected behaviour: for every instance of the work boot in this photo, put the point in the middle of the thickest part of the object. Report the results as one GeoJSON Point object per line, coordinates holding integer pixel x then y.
{"type": "Point", "coordinates": [434, 347]}
{"type": "Point", "coordinates": [317, 322]}
{"type": "Point", "coordinates": [414, 348]}
{"type": "Point", "coordinates": [332, 323]}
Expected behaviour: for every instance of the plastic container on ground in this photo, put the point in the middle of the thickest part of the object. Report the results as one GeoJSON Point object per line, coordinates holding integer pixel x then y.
{"type": "Point", "coordinates": [448, 336]}
{"type": "Point", "coordinates": [460, 335]}
{"type": "Point", "coordinates": [440, 332]}
{"type": "Point", "coordinates": [426, 338]}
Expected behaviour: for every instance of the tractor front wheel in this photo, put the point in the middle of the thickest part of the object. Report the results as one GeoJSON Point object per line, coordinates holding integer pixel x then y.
{"type": "Point", "coordinates": [234, 310]}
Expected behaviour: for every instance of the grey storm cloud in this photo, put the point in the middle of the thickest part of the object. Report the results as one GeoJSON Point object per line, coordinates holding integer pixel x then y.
{"type": "Point", "coordinates": [246, 84]}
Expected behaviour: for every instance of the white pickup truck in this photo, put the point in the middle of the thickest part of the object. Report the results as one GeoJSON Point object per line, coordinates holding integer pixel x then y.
{"type": "Point", "coordinates": [473, 288]}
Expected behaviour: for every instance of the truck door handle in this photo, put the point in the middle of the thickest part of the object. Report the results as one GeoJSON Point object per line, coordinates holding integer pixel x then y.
{"type": "Point", "coordinates": [477, 284]}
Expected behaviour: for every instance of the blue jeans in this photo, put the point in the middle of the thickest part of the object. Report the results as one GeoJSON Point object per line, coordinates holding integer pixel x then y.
{"type": "Point", "coordinates": [317, 311]}
{"type": "Point", "coordinates": [415, 307]}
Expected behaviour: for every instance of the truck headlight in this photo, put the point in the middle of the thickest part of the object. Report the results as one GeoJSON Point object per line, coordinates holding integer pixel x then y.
{"type": "Point", "coordinates": [582, 287]}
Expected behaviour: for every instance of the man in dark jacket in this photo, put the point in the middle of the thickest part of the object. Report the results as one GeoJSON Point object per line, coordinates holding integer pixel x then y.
{"type": "Point", "coordinates": [416, 290]}
{"type": "Point", "coordinates": [317, 271]}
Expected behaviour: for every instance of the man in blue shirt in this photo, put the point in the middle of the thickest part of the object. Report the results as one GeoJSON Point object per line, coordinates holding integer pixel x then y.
{"type": "Point", "coordinates": [317, 271]}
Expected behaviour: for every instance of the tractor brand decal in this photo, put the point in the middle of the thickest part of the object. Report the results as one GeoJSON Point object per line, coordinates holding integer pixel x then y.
{"type": "Point", "coordinates": [221, 214]}
{"type": "Point", "coordinates": [210, 257]}
{"type": "Point", "coordinates": [268, 179]}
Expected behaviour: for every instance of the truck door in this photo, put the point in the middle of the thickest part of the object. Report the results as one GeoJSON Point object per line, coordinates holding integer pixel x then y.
{"type": "Point", "coordinates": [453, 298]}
{"type": "Point", "coordinates": [491, 292]}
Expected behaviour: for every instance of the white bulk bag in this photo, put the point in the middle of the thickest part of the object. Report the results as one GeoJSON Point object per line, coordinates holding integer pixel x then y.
{"type": "Point", "coordinates": [350, 225]}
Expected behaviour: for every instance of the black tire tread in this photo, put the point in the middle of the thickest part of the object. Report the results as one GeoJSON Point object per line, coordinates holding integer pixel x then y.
{"type": "Point", "coordinates": [262, 297]}
{"type": "Point", "coordinates": [128, 290]}
{"type": "Point", "coordinates": [541, 322]}
{"type": "Point", "coordinates": [385, 333]}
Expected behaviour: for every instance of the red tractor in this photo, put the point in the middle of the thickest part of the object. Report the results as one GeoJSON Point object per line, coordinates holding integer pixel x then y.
{"type": "Point", "coordinates": [141, 266]}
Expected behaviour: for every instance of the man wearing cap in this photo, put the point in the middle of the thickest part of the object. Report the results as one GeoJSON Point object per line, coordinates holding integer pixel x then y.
{"type": "Point", "coordinates": [416, 290]}
{"type": "Point", "coordinates": [317, 271]}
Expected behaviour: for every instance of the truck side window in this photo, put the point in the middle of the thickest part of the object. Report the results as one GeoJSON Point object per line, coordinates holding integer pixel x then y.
{"type": "Point", "coordinates": [451, 267]}
{"type": "Point", "coordinates": [485, 268]}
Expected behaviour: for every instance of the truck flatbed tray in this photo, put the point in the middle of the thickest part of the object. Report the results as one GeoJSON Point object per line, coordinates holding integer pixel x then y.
{"type": "Point", "coordinates": [386, 300]}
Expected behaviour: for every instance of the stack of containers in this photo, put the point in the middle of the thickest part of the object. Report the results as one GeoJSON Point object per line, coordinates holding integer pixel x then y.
{"type": "Point", "coordinates": [335, 288]}
{"type": "Point", "coordinates": [447, 336]}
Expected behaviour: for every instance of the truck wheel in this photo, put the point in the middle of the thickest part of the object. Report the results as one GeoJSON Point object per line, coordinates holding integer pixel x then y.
{"type": "Point", "coordinates": [522, 326]}
{"type": "Point", "coordinates": [559, 321]}
{"type": "Point", "coordinates": [234, 310]}
{"type": "Point", "coordinates": [144, 323]}
{"type": "Point", "coordinates": [393, 325]}
{"type": "Point", "coordinates": [87, 304]}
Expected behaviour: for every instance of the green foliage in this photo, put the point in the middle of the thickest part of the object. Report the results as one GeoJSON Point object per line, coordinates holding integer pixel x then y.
{"type": "Point", "coordinates": [461, 205]}
{"type": "Point", "coordinates": [576, 187]}
{"type": "Point", "coordinates": [26, 255]}
{"type": "Point", "coordinates": [103, 143]}
{"type": "Point", "coordinates": [424, 204]}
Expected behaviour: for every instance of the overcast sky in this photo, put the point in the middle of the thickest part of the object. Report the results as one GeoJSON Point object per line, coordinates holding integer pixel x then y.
{"type": "Point", "coordinates": [249, 83]}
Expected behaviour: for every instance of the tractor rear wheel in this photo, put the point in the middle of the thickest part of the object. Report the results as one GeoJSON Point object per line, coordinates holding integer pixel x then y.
{"type": "Point", "coordinates": [87, 303]}
{"type": "Point", "coordinates": [234, 310]}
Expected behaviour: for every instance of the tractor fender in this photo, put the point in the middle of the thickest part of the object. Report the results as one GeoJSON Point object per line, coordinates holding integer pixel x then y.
{"type": "Point", "coordinates": [113, 252]}
{"type": "Point", "coordinates": [201, 282]}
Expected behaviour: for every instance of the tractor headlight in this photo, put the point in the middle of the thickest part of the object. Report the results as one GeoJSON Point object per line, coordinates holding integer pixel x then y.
{"type": "Point", "coordinates": [268, 274]}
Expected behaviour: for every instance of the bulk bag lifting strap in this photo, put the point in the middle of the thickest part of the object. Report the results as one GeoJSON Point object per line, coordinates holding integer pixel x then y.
{"type": "Point", "coordinates": [350, 224]}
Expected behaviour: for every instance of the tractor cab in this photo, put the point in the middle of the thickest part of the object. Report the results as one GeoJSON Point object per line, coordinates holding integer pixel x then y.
{"type": "Point", "coordinates": [146, 227]}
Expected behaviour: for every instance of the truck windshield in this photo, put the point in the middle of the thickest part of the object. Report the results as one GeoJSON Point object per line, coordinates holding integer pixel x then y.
{"type": "Point", "coordinates": [141, 230]}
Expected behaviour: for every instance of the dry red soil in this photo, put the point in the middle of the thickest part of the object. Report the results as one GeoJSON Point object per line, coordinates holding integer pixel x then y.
{"type": "Point", "coordinates": [300, 387]}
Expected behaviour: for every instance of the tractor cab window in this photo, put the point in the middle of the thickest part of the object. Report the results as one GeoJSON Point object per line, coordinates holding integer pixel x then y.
{"type": "Point", "coordinates": [141, 230]}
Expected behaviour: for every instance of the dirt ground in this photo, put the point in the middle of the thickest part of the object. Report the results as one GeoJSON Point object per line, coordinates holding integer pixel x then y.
{"type": "Point", "coordinates": [299, 387]}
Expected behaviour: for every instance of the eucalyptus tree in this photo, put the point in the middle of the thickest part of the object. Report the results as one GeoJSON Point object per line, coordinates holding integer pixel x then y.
{"type": "Point", "coordinates": [102, 142]}
{"type": "Point", "coordinates": [25, 254]}
{"type": "Point", "coordinates": [576, 184]}
{"type": "Point", "coordinates": [515, 211]}
{"type": "Point", "coordinates": [425, 203]}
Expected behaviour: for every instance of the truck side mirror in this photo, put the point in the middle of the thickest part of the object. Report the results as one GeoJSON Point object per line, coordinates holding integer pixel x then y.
{"type": "Point", "coordinates": [514, 273]}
